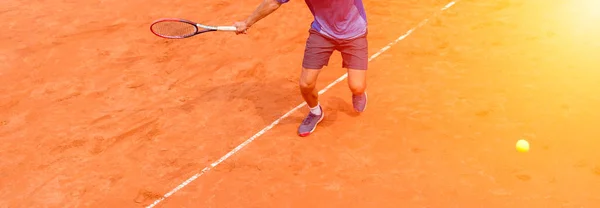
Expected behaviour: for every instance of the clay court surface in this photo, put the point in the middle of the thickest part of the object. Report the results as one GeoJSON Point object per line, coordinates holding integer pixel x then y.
{"type": "Point", "coordinates": [95, 111]}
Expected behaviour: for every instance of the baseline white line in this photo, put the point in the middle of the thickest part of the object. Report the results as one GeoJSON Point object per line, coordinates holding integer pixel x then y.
{"type": "Point", "coordinates": [270, 126]}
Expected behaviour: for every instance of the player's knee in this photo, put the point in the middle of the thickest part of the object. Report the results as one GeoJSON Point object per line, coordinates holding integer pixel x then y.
{"type": "Point", "coordinates": [307, 85]}
{"type": "Point", "coordinates": [357, 87]}
{"type": "Point", "coordinates": [308, 80]}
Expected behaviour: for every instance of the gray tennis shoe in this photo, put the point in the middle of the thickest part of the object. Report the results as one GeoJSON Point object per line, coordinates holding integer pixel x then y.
{"type": "Point", "coordinates": [359, 102]}
{"type": "Point", "coordinates": [309, 123]}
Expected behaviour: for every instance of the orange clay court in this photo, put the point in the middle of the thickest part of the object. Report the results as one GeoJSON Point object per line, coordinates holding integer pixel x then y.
{"type": "Point", "coordinates": [96, 111]}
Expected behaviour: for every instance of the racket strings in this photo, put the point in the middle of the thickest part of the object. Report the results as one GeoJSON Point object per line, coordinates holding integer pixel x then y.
{"type": "Point", "coordinates": [174, 29]}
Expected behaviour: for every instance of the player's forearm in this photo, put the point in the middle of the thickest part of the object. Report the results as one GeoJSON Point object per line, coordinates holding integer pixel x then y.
{"type": "Point", "coordinates": [264, 9]}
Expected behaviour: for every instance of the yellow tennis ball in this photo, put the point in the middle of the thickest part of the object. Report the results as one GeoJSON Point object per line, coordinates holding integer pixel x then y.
{"type": "Point", "coordinates": [522, 146]}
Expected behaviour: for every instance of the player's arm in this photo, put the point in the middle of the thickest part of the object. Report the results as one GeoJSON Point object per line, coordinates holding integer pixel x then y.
{"type": "Point", "coordinates": [263, 10]}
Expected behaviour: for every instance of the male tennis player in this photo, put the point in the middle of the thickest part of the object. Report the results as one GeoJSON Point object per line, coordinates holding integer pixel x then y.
{"type": "Point", "coordinates": [338, 25]}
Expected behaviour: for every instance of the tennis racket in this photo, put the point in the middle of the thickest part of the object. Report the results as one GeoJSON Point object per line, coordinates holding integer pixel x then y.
{"type": "Point", "coordinates": [175, 28]}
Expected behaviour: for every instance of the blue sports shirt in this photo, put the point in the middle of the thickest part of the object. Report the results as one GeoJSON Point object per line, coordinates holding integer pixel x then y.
{"type": "Point", "coordinates": [339, 19]}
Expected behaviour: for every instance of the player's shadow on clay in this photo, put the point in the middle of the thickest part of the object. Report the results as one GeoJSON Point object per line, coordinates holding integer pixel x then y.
{"type": "Point", "coordinates": [269, 99]}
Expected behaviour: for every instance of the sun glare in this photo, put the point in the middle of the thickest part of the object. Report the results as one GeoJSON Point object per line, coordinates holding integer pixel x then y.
{"type": "Point", "coordinates": [587, 10]}
{"type": "Point", "coordinates": [579, 18]}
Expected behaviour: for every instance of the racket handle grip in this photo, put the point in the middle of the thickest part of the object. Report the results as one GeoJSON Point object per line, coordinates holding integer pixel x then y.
{"type": "Point", "coordinates": [226, 28]}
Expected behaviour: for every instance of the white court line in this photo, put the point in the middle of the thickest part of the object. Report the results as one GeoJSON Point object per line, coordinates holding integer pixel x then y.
{"type": "Point", "coordinates": [269, 127]}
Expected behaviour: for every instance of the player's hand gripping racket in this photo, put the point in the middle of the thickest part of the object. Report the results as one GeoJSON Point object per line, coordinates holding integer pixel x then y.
{"type": "Point", "coordinates": [174, 28]}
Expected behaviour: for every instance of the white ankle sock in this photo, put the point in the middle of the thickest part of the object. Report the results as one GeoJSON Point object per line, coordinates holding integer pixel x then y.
{"type": "Point", "coordinates": [316, 110]}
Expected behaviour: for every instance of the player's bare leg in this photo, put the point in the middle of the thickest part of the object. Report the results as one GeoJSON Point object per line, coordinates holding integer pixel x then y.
{"type": "Point", "coordinates": [357, 82]}
{"type": "Point", "coordinates": [308, 83]}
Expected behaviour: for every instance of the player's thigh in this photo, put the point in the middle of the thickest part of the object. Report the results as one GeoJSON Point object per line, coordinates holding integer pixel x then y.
{"type": "Point", "coordinates": [357, 75]}
{"type": "Point", "coordinates": [317, 51]}
{"type": "Point", "coordinates": [357, 80]}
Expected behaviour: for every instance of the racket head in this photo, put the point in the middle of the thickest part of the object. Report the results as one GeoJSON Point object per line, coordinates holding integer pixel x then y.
{"type": "Point", "coordinates": [174, 28]}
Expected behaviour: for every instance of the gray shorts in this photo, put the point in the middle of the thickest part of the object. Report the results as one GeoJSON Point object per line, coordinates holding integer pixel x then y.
{"type": "Point", "coordinates": [355, 54]}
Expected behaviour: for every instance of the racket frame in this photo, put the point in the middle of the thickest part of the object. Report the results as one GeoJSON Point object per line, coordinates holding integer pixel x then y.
{"type": "Point", "coordinates": [200, 28]}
